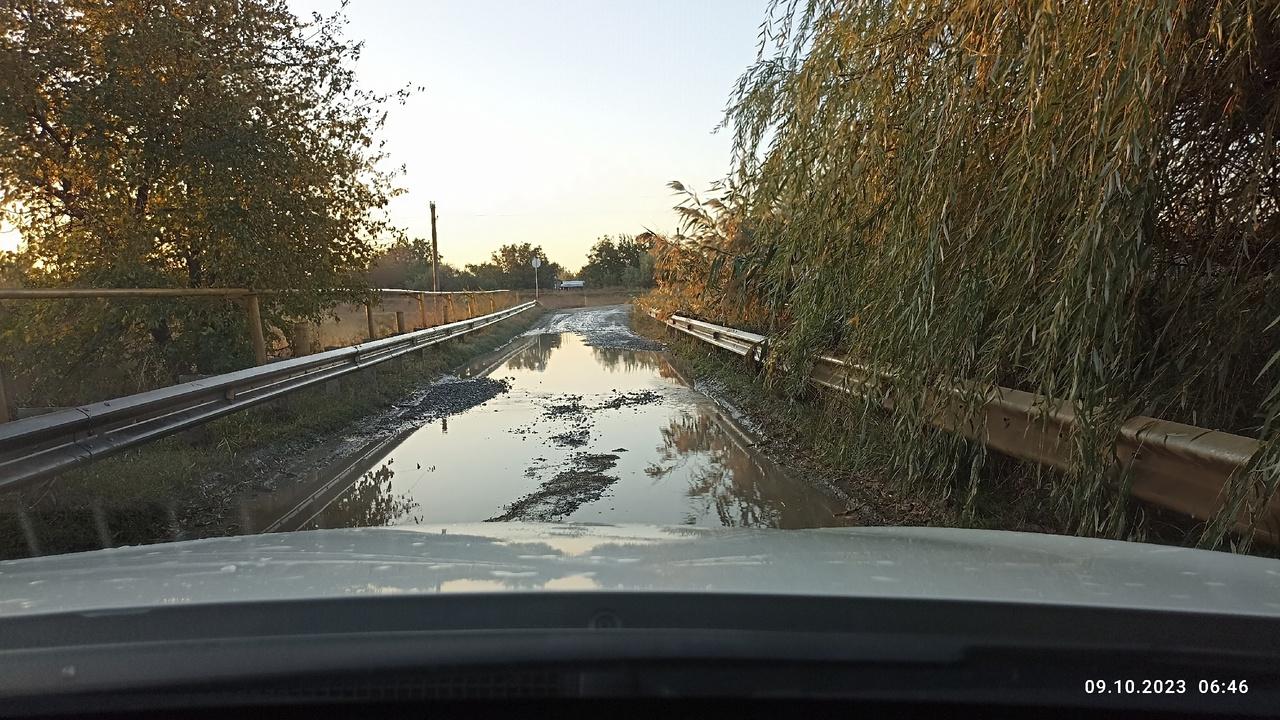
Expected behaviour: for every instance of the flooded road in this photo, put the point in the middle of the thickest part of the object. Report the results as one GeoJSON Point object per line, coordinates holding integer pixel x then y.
{"type": "Point", "coordinates": [594, 426]}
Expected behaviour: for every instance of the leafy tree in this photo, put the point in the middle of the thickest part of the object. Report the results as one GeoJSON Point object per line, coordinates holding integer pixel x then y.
{"type": "Point", "coordinates": [624, 260]}
{"type": "Point", "coordinates": [604, 263]}
{"type": "Point", "coordinates": [185, 144]}
{"type": "Point", "coordinates": [194, 143]}
{"type": "Point", "coordinates": [510, 266]}
{"type": "Point", "coordinates": [407, 264]}
{"type": "Point", "coordinates": [512, 259]}
{"type": "Point", "coordinates": [393, 266]}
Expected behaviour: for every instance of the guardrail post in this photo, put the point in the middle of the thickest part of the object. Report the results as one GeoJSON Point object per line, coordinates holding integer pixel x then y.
{"type": "Point", "coordinates": [400, 322]}
{"type": "Point", "coordinates": [422, 310]}
{"type": "Point", "coordinates": [100, 524]}
{"type": "Point", "coordinates": [29, 532]}
{"type": "Point", "coordinates": [301, 340]}
{"type": "Point", "coordinates": [254, 310]}
{"type": "Point", "coordinates": [6, 413]}
{"type": "Point", "coordinates": [368, 314]}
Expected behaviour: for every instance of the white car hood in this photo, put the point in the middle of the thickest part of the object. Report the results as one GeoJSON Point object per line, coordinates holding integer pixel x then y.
{"type": "Point", "coordinates": [524, 557]}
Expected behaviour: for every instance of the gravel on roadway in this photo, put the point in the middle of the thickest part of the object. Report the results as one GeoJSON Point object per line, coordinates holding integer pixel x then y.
{"type": "Point", "coordinates": [606, 326]}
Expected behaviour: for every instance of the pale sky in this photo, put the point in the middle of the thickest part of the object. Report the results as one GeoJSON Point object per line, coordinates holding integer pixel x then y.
{"type": "Point", "coordinates": [548, 121]}
{"type": "Point", "coordinates": [551, 121]}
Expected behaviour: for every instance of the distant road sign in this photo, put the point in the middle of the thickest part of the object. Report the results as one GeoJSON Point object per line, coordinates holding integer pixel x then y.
{"type": "Point", "coordinates": [537, 262]}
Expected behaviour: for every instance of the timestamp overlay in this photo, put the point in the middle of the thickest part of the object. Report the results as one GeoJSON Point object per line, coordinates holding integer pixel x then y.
{"type": "Point", "coordinates": [1167, 686]}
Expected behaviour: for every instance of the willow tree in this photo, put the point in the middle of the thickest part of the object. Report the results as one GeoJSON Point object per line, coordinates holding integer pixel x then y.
{"type": "Point", "coordinates": [187, 143]}
{"type": "Point", "coordinates": [1078, 199]}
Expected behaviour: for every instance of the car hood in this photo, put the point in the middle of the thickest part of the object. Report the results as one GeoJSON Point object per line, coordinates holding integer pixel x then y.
{"type": "Point", "coordinates": [936, 563]}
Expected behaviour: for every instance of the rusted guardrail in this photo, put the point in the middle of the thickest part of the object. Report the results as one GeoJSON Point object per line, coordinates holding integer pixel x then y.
{"type": "Point", "coordinates": [43, 445]}
{"type": "Point", "coordinates": [1180, 467]}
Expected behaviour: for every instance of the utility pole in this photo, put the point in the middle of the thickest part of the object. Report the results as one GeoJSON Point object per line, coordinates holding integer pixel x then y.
{"type": "Point", "coordinates": [435, 252]}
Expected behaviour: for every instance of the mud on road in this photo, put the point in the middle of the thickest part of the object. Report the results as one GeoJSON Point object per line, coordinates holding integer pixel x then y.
{"type": "Point", "coordinates": [607, 326]}
{"type": "Point", "coordinates": [578, 419]}
{"type": "Point", "coordinates": [583, 477]}
{"type": "Point", "coordinates": [584, 480]}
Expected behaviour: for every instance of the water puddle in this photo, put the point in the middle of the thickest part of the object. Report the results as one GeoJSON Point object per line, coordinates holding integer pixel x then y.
{"type": "Point", "coordinates": [592, 434]}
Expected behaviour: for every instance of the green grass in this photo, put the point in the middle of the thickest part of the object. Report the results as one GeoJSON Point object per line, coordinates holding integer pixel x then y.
{"type": "Point", "coordinates": [820, 434]}
{"type": "Point", "coordinates": [185, 485]}
{"type": "Point", "coordinates": [839, 438]}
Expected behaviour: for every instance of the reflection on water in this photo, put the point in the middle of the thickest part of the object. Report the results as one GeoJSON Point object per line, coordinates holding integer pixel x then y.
{"type": "Point", "coordinates": [670, 455]}
{"type": "Point", "coordinates": [616, 360]}
{"type": "Point", "coordinates": [586, 434]}
{"type": "Point", "coordinates": [742, 489]}
{"type": "Point", "coordinates": [534, 355]}
{"type": "Point", "coordinates": [372, 500]}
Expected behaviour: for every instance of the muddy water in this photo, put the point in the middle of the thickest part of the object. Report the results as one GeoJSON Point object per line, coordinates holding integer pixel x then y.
{"type": "Point", "coordinates": [592, 434]}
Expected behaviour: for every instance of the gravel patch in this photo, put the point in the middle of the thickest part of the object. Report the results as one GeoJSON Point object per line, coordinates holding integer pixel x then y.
{"type": "Point", "coordinates": [572, 439]}
{"type": "Point", "coordinates": [564, 406]}
{"type": "Point", "coordinates": [584, 481]}
{"type": "Point", "coordinates": [639, 397]}
{"type": "Point", "coordinates": [452, 395]}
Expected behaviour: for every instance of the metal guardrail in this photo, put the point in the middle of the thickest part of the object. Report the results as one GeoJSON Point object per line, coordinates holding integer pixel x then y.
{"type": "Point", "coordinates": [443, 304]}
{"type": "Point", "coordinates": [40, 446]}
{"type": "Point", "coordinates": [1179, 467]}
{"type": "Point", "coordinates": [252, 305]}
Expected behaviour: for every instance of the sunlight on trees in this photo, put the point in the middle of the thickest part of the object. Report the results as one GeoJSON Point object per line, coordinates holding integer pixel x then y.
{"type": "Point", "coordinates": [621, 260]}
{"type": "Point", "coordinates": [220, 143]}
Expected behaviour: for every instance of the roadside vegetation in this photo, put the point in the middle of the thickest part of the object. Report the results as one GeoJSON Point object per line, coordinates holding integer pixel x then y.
{"type": "Point", "coordinates": [407, 264]}
{"type": "Point", "coordinates": [212, 144]}
{"type": "Point", "coordinates": [614, 261]}
{"type": "Point", "coordinates": [190, 484]}
{"type": "Point", "coordinates": [1080, 200]}
{"type": "Point", "coordinates": [222, 143]}
{"type": "Point", "coordinates": [620, 261]}
{"type": "Point", "coordinates": [804, 432]}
